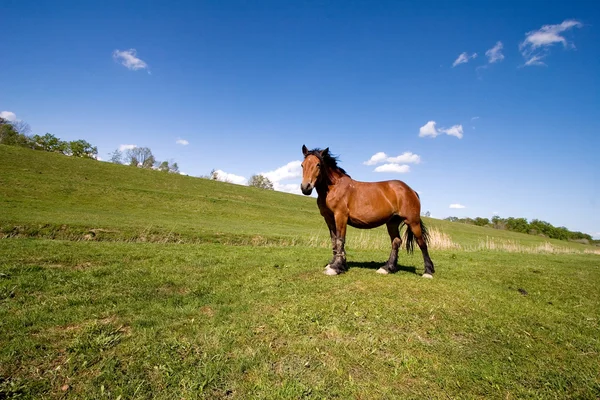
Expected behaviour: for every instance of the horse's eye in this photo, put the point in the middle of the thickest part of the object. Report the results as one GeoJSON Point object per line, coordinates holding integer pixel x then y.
{"type": "Point", "coordinates": [319, 165]}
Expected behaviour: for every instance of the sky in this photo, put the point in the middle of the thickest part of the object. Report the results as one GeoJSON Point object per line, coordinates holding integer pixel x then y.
{"type": "Point", "coordinates": [484, 107]}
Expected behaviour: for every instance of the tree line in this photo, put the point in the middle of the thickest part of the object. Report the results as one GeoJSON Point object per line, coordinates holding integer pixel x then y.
{"type": "Point", "coordinates": [17, 134]}
{"type": "Point", "coordinates": [258, 180]}
{"type": "Point", "coordinates": [533, 227]}
{"type": "Point", "coordinates": [142, 157]}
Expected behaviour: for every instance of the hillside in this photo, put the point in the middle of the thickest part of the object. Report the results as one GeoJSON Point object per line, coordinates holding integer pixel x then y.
{"type": "Point", "coordinates": [49, 195]}
{"type": "Point", "coordinates": [121, 202]}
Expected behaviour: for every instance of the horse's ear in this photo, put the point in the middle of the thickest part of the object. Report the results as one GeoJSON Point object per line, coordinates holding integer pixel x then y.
{"type": "Point", "coordinates": [325, 152]}
{"type": "Point", "coordinates": [304, 150]}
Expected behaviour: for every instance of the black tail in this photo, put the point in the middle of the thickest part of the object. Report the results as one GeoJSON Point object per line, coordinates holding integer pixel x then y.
{"type": "Point", "coordinates": [410, 239]}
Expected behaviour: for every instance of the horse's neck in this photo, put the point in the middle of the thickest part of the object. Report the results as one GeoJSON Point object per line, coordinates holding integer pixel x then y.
{"type": "Point", "coordinates": [333, 177]}
{"type": "Point", "coordinates": [322, 190]}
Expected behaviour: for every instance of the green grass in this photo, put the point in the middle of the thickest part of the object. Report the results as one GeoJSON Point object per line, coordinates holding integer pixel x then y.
{"type": "Point", "coordinates": [226, 299]}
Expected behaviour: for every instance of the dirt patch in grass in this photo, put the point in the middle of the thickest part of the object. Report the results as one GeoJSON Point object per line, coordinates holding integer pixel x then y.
{"type": "Point", "coordinates": [207, 311]}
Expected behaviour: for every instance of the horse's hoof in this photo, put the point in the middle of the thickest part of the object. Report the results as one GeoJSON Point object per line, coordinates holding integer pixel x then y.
{"type": "Point", "coordinates": [429, 276]}
{"type": "Point", "coordinates": [327, 266]}
{"type": "Point", "coordinates": [383, 271]}
{"type": "Point", "coordinates": [330, 271]}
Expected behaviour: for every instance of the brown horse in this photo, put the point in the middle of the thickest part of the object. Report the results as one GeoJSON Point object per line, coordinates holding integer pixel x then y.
{"type": "Point", "coordinates": [344, 201]}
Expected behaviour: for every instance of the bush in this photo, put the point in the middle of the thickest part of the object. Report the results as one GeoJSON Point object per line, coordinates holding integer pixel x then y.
{"type": "Point", "coordinates": [261, 182]}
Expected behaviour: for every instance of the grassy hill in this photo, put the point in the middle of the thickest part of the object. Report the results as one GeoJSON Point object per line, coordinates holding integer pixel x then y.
{"type": "Point", "coordinates": [117, 282]}
{"type": "Point", "coordinates": [77, 195]}
{"type": "Point", "coordinates": [81, 198]}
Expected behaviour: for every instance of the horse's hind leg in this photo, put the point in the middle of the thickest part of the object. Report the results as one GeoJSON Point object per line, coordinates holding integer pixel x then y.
{"type": "Point", "coordinates": [419, 235]}
{"type": "Point", "coordinates": [393, 227]}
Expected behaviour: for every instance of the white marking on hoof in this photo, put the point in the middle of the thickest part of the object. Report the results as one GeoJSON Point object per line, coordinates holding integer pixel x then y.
{"type": "Point", "coordinates": [429, 276]}
{"type": "Point", "coordinates": [327, 266]}
{"type": "Point", "coordinates": [383, 271]}
{"type": "Point", "coordinates": [330, 271]}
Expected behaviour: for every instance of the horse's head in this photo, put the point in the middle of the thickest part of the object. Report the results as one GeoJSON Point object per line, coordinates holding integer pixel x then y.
{"type": "Point", "coordinates": [311, 169]}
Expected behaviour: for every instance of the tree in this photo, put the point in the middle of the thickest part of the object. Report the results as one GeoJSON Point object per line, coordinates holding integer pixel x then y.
{"type": "Point", "coordinates": [116, 157]}
{"type": "Point", "coordinates": [261, 182]}
{"type": "Point", "coordinates": [517, 225]}
{"type": "Point", "coordinates": [481, 221]}
{"type": "Point", "coordinates": [51, 143]}
{"type": "Point", "coordinates": [134, 162]}
{"type": "Point", "coordinates": [499, 222]}
{"type": "Point", "coordinates": [10, 136]}
{"type": "Point", "coordinates": [164, 166]}
{"type": "Point", "coordinates": [149, 162]}
{"type": "Point", "coordinates": [6, 131]}
{"type": "Point", "coordinates": [81, 148]}
{"type": "Point", "coordinates": [22, 127]}
{"type": "Point", "coordinates": [140, 157]}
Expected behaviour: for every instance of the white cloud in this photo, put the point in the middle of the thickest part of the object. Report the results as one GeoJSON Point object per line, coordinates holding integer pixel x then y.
{"type": "Point", "coordinates": [495, 53]}
{"type": "Point", "coordinates": [404, 158]}
{"type": "Point", "coordinates": [376, 158]}
{"type": "Point", "coordinates": [535, 60]}
{"type": "Point", "coordinates": [429, 129]}
{"type": "Point", "coordinates": [129, 59]}
{"type": "Point", "coordinates": [124, 147]}
{"type": "Point", "coordinates": [182, 142]}
{"type": "Point", "coordinates": [456, 205]}
{"type": "Point", "coordinates": [231, 178]}
{"type": "Point", "coordinates": [293, 188]}
{"type": "Point", "coordinates": [9, 116]}
{"type": "Point", "coordinates": [474, 118]}
{"type": "Point", "coordinates": [291, 170]}
{"type": "Point", "coordinates": [401, 169]}
{"type": "Point", "coordinates": [463, 58]}
{"type": "Point", "coordinates": [535, 47]}
{"type": "Point", "coordinates": [456, 130]}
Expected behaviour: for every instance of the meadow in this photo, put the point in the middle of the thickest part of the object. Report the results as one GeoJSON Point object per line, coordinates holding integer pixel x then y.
{"type": "Point", "coordinates": [122, 283]}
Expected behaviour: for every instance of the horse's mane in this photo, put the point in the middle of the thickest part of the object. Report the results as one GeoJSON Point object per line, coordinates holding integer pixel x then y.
{"type": "Point", "coordinates": [329, 160]}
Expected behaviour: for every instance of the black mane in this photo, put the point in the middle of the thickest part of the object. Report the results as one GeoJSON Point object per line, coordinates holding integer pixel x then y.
{"type": "Point", "coordinates": [329, 160]}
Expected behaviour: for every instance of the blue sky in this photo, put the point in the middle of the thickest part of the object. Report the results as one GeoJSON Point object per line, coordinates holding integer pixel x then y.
{"type": "Point", "coordinates": [509, 128]}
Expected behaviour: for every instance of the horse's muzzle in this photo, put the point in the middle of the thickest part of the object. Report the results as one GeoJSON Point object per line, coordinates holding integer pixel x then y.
{"type": "Point", "coordinates": [306, 189]}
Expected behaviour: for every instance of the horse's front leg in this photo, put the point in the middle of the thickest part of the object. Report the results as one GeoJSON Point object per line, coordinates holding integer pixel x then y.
{"type": "Point", "coordinates": [339, 253]}
{"type": "Point", "coordinates": [332, 234]}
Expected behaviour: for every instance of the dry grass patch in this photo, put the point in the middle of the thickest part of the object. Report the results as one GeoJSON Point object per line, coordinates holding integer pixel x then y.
{"type": "Point", "coordinates": [512, 246]}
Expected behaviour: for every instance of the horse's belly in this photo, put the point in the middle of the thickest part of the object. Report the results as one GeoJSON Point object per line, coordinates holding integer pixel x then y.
{"type": "Point", "coordinates": [362, 224]}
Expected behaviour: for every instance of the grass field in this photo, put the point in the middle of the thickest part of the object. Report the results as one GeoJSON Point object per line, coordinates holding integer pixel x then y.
{"type": "Point", "coordinates": [123, 283]}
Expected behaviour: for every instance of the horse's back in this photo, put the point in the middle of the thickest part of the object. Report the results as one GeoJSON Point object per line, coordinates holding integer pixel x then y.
{"type": "Point", "coordinates": [374, 203]}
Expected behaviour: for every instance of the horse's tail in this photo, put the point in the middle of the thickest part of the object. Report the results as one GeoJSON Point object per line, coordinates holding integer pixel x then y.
{"type": "Point", "coordinates": [410, 238]}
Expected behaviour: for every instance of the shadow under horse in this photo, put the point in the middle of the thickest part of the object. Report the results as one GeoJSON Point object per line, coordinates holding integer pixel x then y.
{"type": "Point", "coordinates": [343, 201]}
